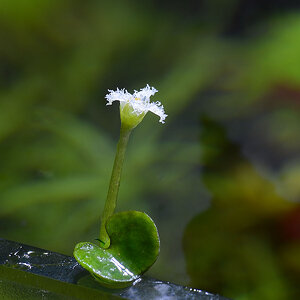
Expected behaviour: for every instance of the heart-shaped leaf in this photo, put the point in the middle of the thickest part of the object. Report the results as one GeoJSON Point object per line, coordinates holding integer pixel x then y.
{"type": "Point", "coordinates": [134, 247]}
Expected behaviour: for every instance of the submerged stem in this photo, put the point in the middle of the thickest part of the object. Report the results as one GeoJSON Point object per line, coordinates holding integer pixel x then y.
{"type": "Point", "coordinates": [114, 184]}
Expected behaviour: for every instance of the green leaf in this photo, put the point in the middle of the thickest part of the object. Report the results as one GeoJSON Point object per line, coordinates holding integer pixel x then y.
{"type": "Point", "coordinates": [133, 250]}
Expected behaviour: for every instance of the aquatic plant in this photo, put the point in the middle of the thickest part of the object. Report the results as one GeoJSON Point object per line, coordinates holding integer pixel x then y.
{"type": "Point", "coordinates": [128, 241]}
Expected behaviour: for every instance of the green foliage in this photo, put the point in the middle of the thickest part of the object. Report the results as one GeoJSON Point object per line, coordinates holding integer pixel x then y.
{"type": "Point", "coordinates": [134, 247]}
{"type": "Point", "coordinates": [57, 139]}
{"type": "Point", "coordinates": [238, 235]}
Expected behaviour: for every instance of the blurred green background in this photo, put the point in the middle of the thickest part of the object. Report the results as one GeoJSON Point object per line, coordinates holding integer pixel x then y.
{"type": "Point", "coordinates": [221, 178]}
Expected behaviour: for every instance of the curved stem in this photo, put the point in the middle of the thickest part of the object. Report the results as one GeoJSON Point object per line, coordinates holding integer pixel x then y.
{"type": "Point", "coordinates": [114, 184]}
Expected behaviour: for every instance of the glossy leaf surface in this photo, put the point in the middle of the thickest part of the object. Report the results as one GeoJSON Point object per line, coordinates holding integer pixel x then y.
{"type": "Point", "coordinates": [134, 248]}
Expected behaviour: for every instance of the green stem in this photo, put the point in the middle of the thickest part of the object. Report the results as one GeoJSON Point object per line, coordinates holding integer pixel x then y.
{"type": "Point", "coordinates": [114, 185]}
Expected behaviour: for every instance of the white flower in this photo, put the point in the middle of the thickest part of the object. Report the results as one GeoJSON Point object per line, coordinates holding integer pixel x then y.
{"type": "Point", "coordinates": [136, 105]}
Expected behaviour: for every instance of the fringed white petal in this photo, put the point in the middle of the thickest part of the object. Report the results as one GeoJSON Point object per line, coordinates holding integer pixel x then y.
{"type": "Point", "coordinates": [139, 101]}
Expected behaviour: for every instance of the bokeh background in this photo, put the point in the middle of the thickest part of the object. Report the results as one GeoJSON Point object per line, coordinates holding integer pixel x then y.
{"type": "Point", "coordinates": [221, 178]}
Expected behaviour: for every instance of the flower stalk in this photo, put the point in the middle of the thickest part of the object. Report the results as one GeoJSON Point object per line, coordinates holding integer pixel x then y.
{"type": "Point", "coordinates": [114, 185]}
{"type": "Point", "coordinates": [133, 108]}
